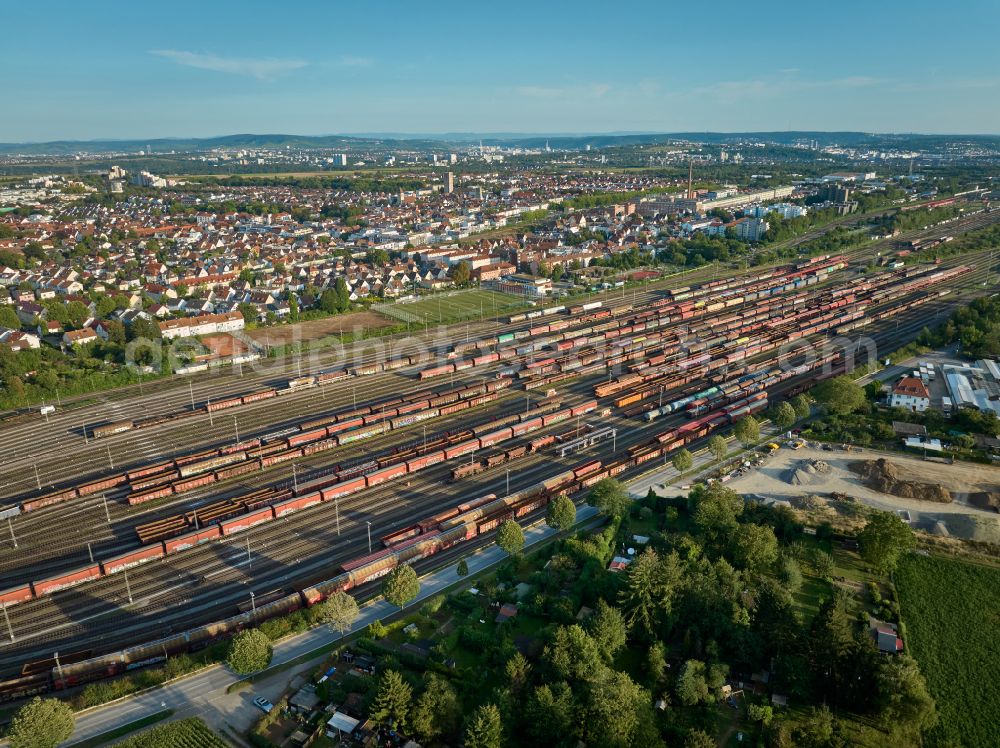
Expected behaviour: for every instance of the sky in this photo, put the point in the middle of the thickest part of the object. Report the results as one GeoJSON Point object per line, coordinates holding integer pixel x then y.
{"type": "Point", "coordinates": [109, 69]}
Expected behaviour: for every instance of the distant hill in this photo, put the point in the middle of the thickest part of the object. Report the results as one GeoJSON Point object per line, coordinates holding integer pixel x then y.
{"type": "Point", "coordinates": [380, 141]}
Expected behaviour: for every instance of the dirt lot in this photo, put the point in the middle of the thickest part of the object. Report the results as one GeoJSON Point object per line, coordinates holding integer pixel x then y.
{"type": "Point", "coordinates": [784, 476]}
{"type": "Point", "coordinates": [319, 328]}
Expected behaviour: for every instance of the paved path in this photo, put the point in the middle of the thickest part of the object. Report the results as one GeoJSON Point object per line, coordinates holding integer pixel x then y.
{"type": "Point", "coordinates": [204, 693]}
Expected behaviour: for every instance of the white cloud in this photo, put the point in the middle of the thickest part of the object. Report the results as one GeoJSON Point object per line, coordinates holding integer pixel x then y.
{"type": "Point", "coordinates": [591, 91]}
{"type": "Point", "coordinates": [784, 86]}
{"type": "Point", "coordinates": [350, 61]}
{"type": "Point", "coordinates": [261, 68]}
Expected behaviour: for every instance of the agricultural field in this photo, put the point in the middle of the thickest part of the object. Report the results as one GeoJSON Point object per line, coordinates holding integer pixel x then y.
{"type": "Point", "coordinates": [185, 733]}
{"type": "Point", "coordinates": [951, 610]}
{"type": "Point", "coordinates": [455, 307]}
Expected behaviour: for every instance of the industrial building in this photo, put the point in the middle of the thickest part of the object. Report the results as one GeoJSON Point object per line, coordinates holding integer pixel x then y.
{"type": "Point", "coordinates": [974, 386]}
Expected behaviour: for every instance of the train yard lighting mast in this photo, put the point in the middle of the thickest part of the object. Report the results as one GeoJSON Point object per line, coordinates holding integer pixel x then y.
{"type": "Point", "coordinates": [236, 428]}
{"type": "Point", "coordinates": [128, 587]}
{"type": "Point", "coordinates": [10, 629]}
{"type": "Point", "coordinates": [369, 536]}
{"type": "Point", "coordinates": [107, 512]}
{"type": "Point", "coordinates": [249, 558]}
{"type": "Point", "coordinates": [12, 535]}
{"type": "Point", "coordinates": [253, 603]}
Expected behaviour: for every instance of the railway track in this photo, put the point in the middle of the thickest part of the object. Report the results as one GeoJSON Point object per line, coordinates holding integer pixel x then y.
{"type": "Point", "coordinates": [162, 587]}
{"type": "Point", "coordinates": [60, 442]}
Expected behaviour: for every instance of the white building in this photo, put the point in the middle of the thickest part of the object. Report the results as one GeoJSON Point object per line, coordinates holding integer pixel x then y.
{"type": "Point", "coordinates": [910, 393]}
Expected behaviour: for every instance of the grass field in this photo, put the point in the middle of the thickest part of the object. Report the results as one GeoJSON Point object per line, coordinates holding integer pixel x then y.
{"type": "Point", "coordinates": [185, 733]}
{"type": "Point", "coordinates": [456, 307]}
{"type": "Point", "coordinates": [951, 610]}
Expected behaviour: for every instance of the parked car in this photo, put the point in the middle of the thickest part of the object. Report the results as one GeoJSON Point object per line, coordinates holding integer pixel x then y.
{"type": "Point", "coordinates": [263, 704]}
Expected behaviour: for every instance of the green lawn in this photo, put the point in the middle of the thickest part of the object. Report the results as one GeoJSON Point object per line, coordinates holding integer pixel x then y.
{"type": "Point", "coordinates": [951, 609]}
{"type": "Point", "coordinates": [456, 307]}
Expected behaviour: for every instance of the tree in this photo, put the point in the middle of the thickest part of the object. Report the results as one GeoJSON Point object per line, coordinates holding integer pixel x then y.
{"type": "Point", "coordinates": [461, 274]}
{"type": "Point", "coordinates": [610, 497]}
{"type": "Point", "coordinates": [144, 328]}
{"type": "Point", "coordinates": [249, 312]}
{"type": "Point", "coordinates": [343, 295]}
{"type": "Point", "coordinates": [377, 257]}
{"type": "Point", "coordinates": [747, 430]}
{"type": "Point", "coordinates": [762, 713]}
{"type": "Point", "coordinates": [561, 513]}
{"type": "Point", "coordinates": [802, 407]}
{"type": "Point", "coordinates": [608, 629]}
{"type": "Point", "coordinates": [884, 539]}
{"type": "Point", "coordinates": [840, 395]}
{"type": "Point", "coordinates": [41, 723]}
{"type": "Point", "coordinates": [573, 654]}
{"type": "Point", "coordinates": [293, 308]}
{"type": "Point", "coordinates": [510, 537]}
{"type": "Point", "coordinates": [656, 662]}
{"type": "Point", "coordinates": [718, 447]}
{"type": "Point", "coordinates": [692, 687]}
{"type": "Point", "coordinates": [401, 585]}
{"type": "Point", "coordinates": [617, 707]}
{"type": "Point", "coordinates": [716, 510]}
{"type": "Point", "coordinates": [699, 739]}
{"type": "Point", "coordinates": [462, 569]}
{"type": "Point", "coordinates": [783, 416]}
{"type": "Point", "coordinates": [754, 547]}
{"type": "Point", "coordinates": [8, 317]}
{"type": "Point", "coordinates": [790, 574]}
{"type": "Point", "coordinates": [683, 461]}
{"type": "Point", "coordinates": [339, 611]}
{"type": "Point", "coordinates": [329, 301]}
{"type": "Point", "coordinates": [437, 710]}
{"type": "Point", "coordinates": [249, 651]}
{"type": "Point", "coordinates": [517, 671]}
{"type": "Point", "coordinates": [484, 729]}
{"type": "Point", "coordinates": [116, 331]}
{"type": "Point", "coordinates": [816, 730]}
{"type": "Point", "coordinates": [393, 698]}
{"type": "Point", "coordinates": [904, 696]}
{"type": "Point", "coordinates": [552, 716]}
{"type": "Point", "coordinates": [650, 587]}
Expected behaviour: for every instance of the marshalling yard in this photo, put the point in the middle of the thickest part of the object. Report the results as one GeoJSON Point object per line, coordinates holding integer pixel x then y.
{"type": "Point", "coordinates": [145, 523]}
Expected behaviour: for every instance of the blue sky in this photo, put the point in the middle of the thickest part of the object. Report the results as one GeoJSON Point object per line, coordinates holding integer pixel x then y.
{"type": "Point", "coordinates": [108, 69]}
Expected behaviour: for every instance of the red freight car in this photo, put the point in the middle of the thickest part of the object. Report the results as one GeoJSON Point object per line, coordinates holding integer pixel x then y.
{"type": "Point", "coordinates": [343, 488]}
{"type": "Point", "coordinates": [16, 595]}
{"type": "Point", "coordinates": [387, 473]}
{"type": "Point", "coordinates": [401, 535]}
{"type": "Point", "coordinates": [132, 558]}
{"type": "Point", "coordinates": [282, 508]}
{"type": "Point", "coordinates": [52, 498]}
{"type": "Point", "coordinates": [187, 540]}
{"type": "Point", "coordinates": [246, 521]}
{"type": "Point", "coordinates": [69, 579]}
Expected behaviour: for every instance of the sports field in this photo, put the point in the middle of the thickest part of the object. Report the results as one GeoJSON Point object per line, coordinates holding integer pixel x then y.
{"type": "Point", "coordinates": [453, 307]}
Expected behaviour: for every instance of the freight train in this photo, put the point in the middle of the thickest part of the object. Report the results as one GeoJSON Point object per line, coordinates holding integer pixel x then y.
{"type": "Point", "coordinates": [249, 513]}
{"type": "Point", "coordinates": [440, 532]}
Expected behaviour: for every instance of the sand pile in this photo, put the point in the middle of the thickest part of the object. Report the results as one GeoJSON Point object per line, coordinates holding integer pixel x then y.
{"type": "Point", "coordinates": [881, 475]}
{"type": "Point", "coordinates": [807, 473]}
